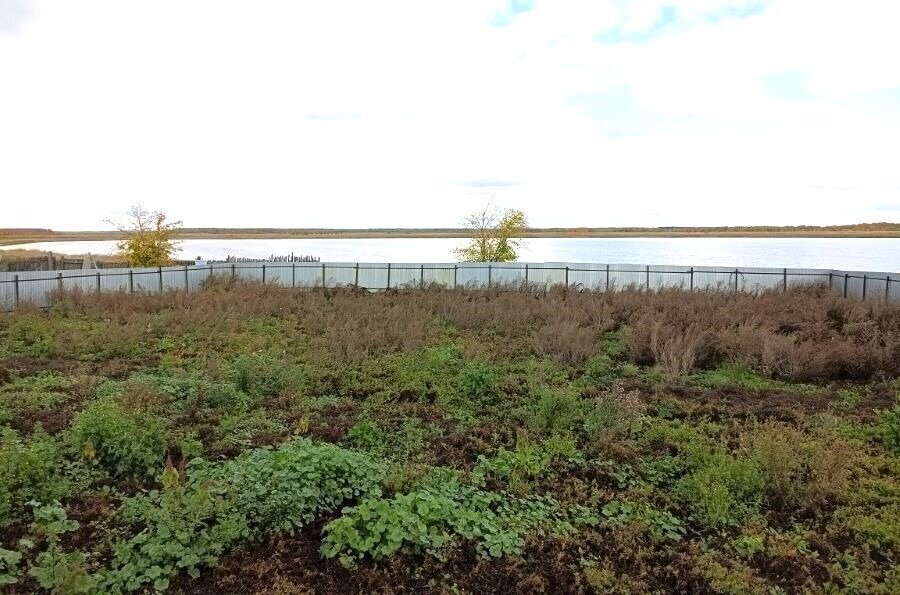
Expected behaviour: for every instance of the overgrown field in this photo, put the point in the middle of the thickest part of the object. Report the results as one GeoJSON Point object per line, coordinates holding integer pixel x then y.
{"type": "Point", "coordinates": [252, 439]}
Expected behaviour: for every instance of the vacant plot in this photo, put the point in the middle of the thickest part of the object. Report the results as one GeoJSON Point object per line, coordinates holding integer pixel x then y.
{"type": "Point", "coordinates": [250, 439]}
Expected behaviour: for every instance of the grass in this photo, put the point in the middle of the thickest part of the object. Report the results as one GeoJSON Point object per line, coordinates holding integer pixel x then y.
{"type": "Point", "coordinates": [255, 439]}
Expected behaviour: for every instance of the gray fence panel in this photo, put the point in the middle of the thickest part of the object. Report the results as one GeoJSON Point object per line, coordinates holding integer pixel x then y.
{"type": "Point", "coordinates": [373, 275]}
{"type": "Point", "coordinates": [587, 276]}
{"type": "Point", "coordinates": [547, 273]}
{"type": "Point", "coordinates": [627, 275]}
{"type": "Point", "coordinates": [405, 274]}
{"type": "Point", "coordinates": [39, 287]}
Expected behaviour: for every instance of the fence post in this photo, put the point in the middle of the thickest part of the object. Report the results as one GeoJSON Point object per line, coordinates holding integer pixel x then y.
{"type": "Point", "coordinates": [887, 288]}
{"type": "Point", "coordinates": [98, 282]}
{"type": "Point", "coordinates": [526, 273]}
{"type": "Point", "coordinates": [421, 276]}
{"type": "Point", "coordinates": [187, 284]}
{"type": "Point", "coordinates": [130, 281]}
{"type": "Point", "coordinates": [210, 270]}
{"type": "Point", "coordinates": [692, 279]}
{"type": "Point", "coordinates": [455, 271]}
{"type": "Point", "coordinates": [648, 277]}
{"type": "Point", "coordinates": [489, 275]}
{"type": "Point", "coordinates": [233, 272]}
{"type": "Point", "coordinates": [293, 273]}
{"type": "Point", "coordinates": [356, 277]}
{"type": "Point", "coordinates": [735, 280]}
{"type": "Point", "coordinates": [845, 285]}
{"type": "Point", "coordinates": [607, 277]}
{"type": "Point", "coordinates": [159, 272]}
{"type": "Point", "coordinates": [830, 279]}
{"type": "Point", "coordinates": [16, 292]}
{"type": "Point", "coordinates": [59, 286]}
{"type": "Point", "coordinates": [784, 286]}
{"type": "Point", "coordinates": [389, 276]}
{"type": "Point", "coordinates": [323, 275]}
{"type": "Point", "coordinates": [865, 282]}
{"type": "Point", "coordinates": [567, 276]}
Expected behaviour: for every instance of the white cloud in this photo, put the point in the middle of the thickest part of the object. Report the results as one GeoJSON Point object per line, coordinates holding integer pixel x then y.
{"type": "Point", "coordinates": [281, 113]}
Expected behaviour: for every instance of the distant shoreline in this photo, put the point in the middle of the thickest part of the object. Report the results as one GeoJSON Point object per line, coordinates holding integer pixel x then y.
{"type": "Point", "coordinates": [12, 237]}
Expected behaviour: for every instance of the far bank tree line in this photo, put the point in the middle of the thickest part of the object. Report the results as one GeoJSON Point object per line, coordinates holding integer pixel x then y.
{"type": "Point", "coordinates": [150, 237]}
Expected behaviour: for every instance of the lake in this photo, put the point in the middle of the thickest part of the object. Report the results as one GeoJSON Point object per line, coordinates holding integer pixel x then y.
{"type": "Point", "coordinates": [853, 254]}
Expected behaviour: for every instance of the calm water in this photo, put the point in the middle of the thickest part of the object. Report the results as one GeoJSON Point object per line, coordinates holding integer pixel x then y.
{"type": "Point", "coordinates": [862, 254]}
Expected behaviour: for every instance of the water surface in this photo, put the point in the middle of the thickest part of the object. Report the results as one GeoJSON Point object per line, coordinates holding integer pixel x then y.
{"type": "Point", "coordinates": [854, 254]}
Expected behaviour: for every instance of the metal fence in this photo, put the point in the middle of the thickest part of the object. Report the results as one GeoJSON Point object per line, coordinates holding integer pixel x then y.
{"type": "Point", "coordinates": [39, 287]}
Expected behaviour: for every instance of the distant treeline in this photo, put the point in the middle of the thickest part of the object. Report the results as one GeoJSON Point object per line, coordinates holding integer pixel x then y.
{"type": "Point", "coordinates": [10, 235]}
{"type": "Point", "coordinates": [17, 231]}
{"type": "Point", "coordinates": [878, 226]}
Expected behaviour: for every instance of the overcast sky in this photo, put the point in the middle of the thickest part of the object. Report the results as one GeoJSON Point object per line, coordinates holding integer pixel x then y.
{"type": "Point", "coordinates": [403, 114]}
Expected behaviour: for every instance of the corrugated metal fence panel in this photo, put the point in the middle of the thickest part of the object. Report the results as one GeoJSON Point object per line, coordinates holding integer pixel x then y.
{"type": "Point", "coordinates": [38, 287]}
{"type": "Point", "coordinates": [585, 275]}
{"type": "Point", "coordinates": [627, 275]}
{"type": "Point", "coordinates": [373, 275]}
{"type": "Point", "coordinates": [670, 276]}
{"type": "Point", "coordinates": [546, 273]}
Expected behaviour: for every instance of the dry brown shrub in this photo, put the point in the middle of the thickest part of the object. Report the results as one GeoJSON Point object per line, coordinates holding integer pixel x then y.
{"type": "Point", "coordinates": [809, 471]}
{"type": "Point", "coordinates": [804, 334]}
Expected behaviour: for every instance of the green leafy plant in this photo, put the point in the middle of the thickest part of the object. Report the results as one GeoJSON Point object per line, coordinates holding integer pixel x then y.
{"type": "Point", "coordinates": [257, 374]}
{"type": "Point", "coordinates": [529, 461]}
{"type": "Point", "coordinates": [126, 443]}
{"type": "Point", "coordinates": [367, 435]}
{"type": "Point", "coordinates": [285, 488]}
{"type": "Point", "coordinates": [241, 428]}
{"type": "Point", "coordinates": [194, 519]}
{"type": "Point", "coordinates": [889, 428]}
{"type": "Point", "coordinates": [430, 518]}
{"type": "Point", "coordinates": [183, 527]}
{"type": "Point", "coordinates": [55, 569]}
{"type": "Point", "coordinates": [662, 524]}
{"type": "Point", "coordinates": [10, 573]}
{"type": "Point", "coordinates": [722, 492]}
{"type": "Point", "coordinates": [556, 411]}
{"type": "Point", "coordinates": [476, 382]}
{"type": "Point", "coordinates": [29, 470]}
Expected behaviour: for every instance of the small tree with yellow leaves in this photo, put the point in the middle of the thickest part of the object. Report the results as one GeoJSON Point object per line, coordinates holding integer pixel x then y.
{"type": "Point", "coordinates": [149, 238]}
{"type": "Point", "coordinates": [496, 235]}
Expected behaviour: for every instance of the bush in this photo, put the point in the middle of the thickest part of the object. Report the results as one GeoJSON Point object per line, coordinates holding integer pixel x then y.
{"type": "Point", "coordinates": [285, 488]}
{"type": "Point", "coordinates": [126, 443]}
{"type": "Point", "coordinates": [430, 518]}
{"type": "Point", "coordinates": [723, 492]}
{"type": "Point", "coordinates": [527, 462]}
{"type": "Point", "coordinates": [662, 524]}
{"type": "Point", "coordinates": [366, 435]}
{"type": "Point", "coordinates": [257, 375]}
{"type": "Point", "coordinates": [183, 527]}
{"type": "Point", "coordinates": [29, 471]}
{"type": "Point", "coordinates": [28, 334]}
{"type": "Point", "coordinates": [477, 382]}
{"type": "Point", "coordinates": [190, 390]}
{"type": "Point", "coordinates": [55, 569]}
{"type": "Point", "coordinates": [889, 428]}
{"type": "Point", "coordinates": [800, 470]}
{"type": "Point", "coordinates": [556, 411]}
{"type": "Point", "coordinates": [241, 428]}
{"type": "Point", "coordinates": [615, 409]}
{"type": "Point", "coordinates": [193, 520]}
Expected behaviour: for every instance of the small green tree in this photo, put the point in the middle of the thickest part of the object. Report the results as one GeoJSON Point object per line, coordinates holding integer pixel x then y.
{"type": "Point", "coordinates": [496, 235]}
{"type": "Point", "coordinates": [149, 238]}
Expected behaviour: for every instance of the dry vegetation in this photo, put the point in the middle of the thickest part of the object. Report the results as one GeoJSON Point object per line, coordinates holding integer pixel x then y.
{"type": "Point", "coordinates": [261, 439]}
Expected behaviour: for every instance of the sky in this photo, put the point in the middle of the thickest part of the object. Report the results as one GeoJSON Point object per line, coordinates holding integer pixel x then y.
{"type": "Point", "coordinates": [415, 113]}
